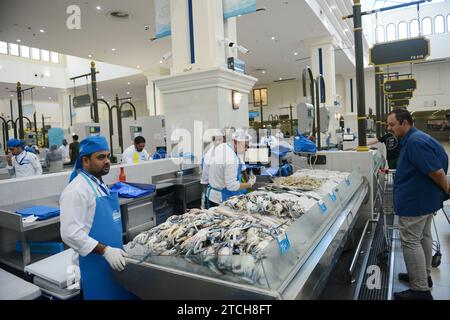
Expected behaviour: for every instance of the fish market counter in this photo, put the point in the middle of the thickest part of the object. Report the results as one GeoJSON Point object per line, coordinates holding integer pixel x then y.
{"type": "Point", "coordinates": [316, 239]}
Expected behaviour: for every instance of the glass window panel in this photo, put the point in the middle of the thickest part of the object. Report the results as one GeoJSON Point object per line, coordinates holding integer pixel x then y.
{"type": "Point", "coordinates": [439, 24]}
{"type": "Point", "coordinates": [427, 27]}
{"type": "Point", "coordinates": [391, 33]}
{"type": "Point", "coordinates": [3, 47]}
{"type": "Point", "coordinates": [45, 55]}
{"type": "Point", "coordinates": [414, 28]}
{"type": "Point", "coordinates": [257, 98]}
{"type": "Point", "coordinates": [25, 51]}
{"type": "Point", "coordinates": [35, 54]}
{"type": "Point", "coordinates": [54, 57]}
{"type": "Point", "coordinates": [13, 49]}
{"type": "Point", "coordinates": [402, 30]}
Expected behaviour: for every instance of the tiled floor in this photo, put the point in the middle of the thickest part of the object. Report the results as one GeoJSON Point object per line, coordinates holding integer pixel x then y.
{"type": "Point", "coordinates": [440, 275]}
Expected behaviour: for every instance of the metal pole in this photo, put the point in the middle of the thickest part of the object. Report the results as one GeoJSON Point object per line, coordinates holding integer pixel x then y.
{"type": "Point", "coordinates": [19, 103]}
{"type": "Point", "coordinates": [43, 131]}
{"type": "Point", "coordinates": [119, 123]}
{"type": "Point", "coordinates": [359, 56]}
{"type": "Point", "coordinates": [378, 101]}
{"type": "Point", "coordinates": [292, 121]}
{"type": "Point", "coordinates": [11, 107]}
{"type": "Point", "coordinates": [70, 110]}
{"type": "Point", "coordinates": [319, 143]}
{"type": "Point", "coordinates": [35, 127]}
{"type": "Point", "coordinates": [94, 92]}
{"type": "Point", "coordinates": [382, 106]}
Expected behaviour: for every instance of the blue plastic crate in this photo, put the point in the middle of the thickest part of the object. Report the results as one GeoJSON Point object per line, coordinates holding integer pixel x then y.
{"type": "Point", "coordinates": [42, 247]}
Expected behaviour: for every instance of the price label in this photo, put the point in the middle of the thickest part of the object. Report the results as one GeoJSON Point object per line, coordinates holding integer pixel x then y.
{"type": "Point", "coordinates": [333, 196]}
{"type": "Point", "coordinates": [283, 243]}
{"type": "Point", "coordinates": [323, 207]}
{"type": "Point", "coordinates": [347, 181]}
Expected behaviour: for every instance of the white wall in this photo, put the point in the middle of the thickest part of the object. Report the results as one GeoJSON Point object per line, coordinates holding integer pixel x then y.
{"type": "Point", "coordinates": [49, 109]}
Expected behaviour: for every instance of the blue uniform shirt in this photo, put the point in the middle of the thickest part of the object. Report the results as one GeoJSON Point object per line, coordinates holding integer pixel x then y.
{"type": "Point", "coordinates": [415, 194]}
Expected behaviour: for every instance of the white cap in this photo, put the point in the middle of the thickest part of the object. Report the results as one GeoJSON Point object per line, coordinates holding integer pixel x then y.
{"type": "Point", "coordinates": [241, 135]}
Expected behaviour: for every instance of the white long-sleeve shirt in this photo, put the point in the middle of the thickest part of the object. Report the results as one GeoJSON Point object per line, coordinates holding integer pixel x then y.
{"type": "Point", "coordinates": [65, 151]}
{"type": "Point", "coordinates": [77, 206]}
{"type": "Point", "coordinates": [26, 164]}
{"type": "Point", "coordinates": [131, 155]}
{"type": "Point", "coordinates": [222, 171]}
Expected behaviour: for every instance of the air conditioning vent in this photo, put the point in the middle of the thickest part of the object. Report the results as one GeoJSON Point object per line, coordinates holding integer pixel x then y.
{"type": "Point", "coordinates": [119, 15]}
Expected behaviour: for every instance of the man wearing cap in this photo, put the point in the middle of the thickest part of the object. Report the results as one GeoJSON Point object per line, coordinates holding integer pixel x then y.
{"type": "Point", "coordinates": [22, 163]}
{"type": "Point", "coordinates": [91, 222]}
{"type": "Point", "coordinates": [225, 171]}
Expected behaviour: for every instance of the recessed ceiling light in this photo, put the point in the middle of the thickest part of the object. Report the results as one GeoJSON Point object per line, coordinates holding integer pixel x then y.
{"type": "Point", "coordinates": [295, 53]}
{"type": "Point", "coordinates": [103, 97]}
{"type": "Point", "coordinates": [128, 92]}
{"type": "Point", "coordinates": [138, 67]}
{"type": "Point", "coordinates": [89, 55]}
{"type": "Point", "coordinates": [18, 40]}
{"type": "Point", "coordinates": [129, 83]}
{"type": "Point", "coordinates": [333, 7]}
{"type": "Point", "coordinates": [263, 72]}
{"type": "Point", "coordinates": [113, 49]}
{"type": "Point", "coordinates": [41, 31]}
{"type": "Point", "coordinates": [11, 95]}
{"type": "Point", "coordinates": [281, 78]}
{"type": "Point", "coordinates": [43, 87]}
{"type": "Point", "coordinates": [273, 38]}
{"type": "Point", "coordinates": [47, 74]}
{"type": "Point", "coordinates": [49, 98]}
{"type": "Point", "coordinates": [99, 8]}
{"type": "Point", "coordinates": [160, 61]}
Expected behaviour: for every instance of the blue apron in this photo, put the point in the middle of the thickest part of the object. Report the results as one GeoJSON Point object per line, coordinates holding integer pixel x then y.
{"type": "Point", "coordinates": [227, 194]}
{"type": "Point", "coordinates": [96, 278]}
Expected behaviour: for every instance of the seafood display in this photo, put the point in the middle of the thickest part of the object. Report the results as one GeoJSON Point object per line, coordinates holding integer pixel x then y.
{"type": "Point", "coordinates": [268, 203]}
{"type": "Point", "coordinates": [299, 182]}
{"type": "Point", "coordinates": [211, 238]}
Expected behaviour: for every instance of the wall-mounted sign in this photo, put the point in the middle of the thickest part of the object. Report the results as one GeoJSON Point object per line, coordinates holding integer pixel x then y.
{"type": "Point", "coordinates": [400, 96]}
{"type": "Point", "coordinates": [398, 103]}
{"type": "Point", "coordinates": [398, 86]}
{"type": "Point", "coordinates": [401, 51]}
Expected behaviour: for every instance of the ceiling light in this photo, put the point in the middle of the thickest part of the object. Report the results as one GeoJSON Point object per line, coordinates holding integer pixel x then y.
{"type": "Point", "coordinates": [49, 98]}
{"type": "Point", "coordinates": [89, 55]}
{"type": "Point", "coordinates": [160, 61]}
{"type": "Point", "coordinates": [103, 97]}
{"type": "Point", "coordinates": [273, 38]}
{"type": "Point", "coordinates": [18, 40]}
{"type": "Point", "coordinates": [129, 83]}
{"type": "Point", "coordinates": [138, 67]}
{"type": "Point", "coordinates": [41, 31]}
{"type": "Point", "coordinates": [281, 79]}
{"type": "Point", "coordinates": [333, 7]}
{"type": "Point", "coordinates": [113, 49]}
{"type": "Point", "coordinates": [346, 30]}
{"type": "Point", "coordinates": [263, 71]}
{"type": "Point", "coordinates": [11, 95]}
{"type": "Point", "coordinates": [295, 53]}
{"type": "Point", "coordinates": [43, 87]}
{"type": "Point", "coordinates": [47, 74]}
{"type": "Point", "coordinates": [99, 8]}
{"type": "Point", "coordinates": [128, 92]}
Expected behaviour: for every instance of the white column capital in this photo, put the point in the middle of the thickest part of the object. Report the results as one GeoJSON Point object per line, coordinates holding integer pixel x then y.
{"type": "Point", "coordinates": [155, 73]}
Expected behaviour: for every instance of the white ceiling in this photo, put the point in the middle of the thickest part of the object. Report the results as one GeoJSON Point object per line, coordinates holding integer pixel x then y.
{"type": "Point", "coordinates": [290, 22]}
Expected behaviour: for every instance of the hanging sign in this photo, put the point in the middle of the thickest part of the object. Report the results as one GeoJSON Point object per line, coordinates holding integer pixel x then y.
{"type": "Point", "coordinates": [400, 96]}
{"type": "Point", "coordinates": [397, 86]}
{"type": "Point", "coordinates": [234, 8]}
{"type": "Point", "coordinates": [398, 103]}
{"type": "Point", "coordinates": [81, 101]}
{"type": "Point", "coordinates": [162, 19]}
{"type": "Point", "coordinates": [402, 51]}
{"type": "Point", "coordinates": [28, 109]}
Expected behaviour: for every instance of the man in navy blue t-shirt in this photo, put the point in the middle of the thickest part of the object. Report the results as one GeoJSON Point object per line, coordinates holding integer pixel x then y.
{"type": "Point", "coordinates": [420, 188]}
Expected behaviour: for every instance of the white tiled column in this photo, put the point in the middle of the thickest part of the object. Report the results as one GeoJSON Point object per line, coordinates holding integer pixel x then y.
{"type": "Point", "coordinates": [155, 102]}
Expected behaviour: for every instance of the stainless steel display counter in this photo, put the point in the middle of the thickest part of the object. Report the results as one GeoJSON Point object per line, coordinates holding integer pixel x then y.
{"type": "Point", "coordinates": [317, 239]}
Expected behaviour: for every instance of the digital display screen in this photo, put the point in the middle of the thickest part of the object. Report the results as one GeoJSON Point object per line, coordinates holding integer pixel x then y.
{"type": "Point", "coordinates": [349, 137]}
{"type": "Point", "coordinates": [257, 155]}
{"type": "Point", "coordinates": [94, 129]}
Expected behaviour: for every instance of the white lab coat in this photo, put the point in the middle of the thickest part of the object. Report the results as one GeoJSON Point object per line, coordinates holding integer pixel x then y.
{"type": "Point", "coordinates": [222, 171]}
{"type": "Point", "coordinates": [26, 164]}
{"type": "Point", "coordinates": [65, 152]}
{"type": "Point", "coordinates": [77, 206]}
{"type": "Point", "coordinates": [128, 156]}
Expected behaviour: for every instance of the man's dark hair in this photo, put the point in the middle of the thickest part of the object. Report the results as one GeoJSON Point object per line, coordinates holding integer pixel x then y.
{"type": "Point", "coordinates": [402, 115]}
{"type": "Point", "coordinates": [139, 140]}
{"type": "Point", "coordinates": [75, 137]}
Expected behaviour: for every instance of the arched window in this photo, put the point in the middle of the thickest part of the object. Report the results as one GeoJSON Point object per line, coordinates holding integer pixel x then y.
{"type": "Point", "coordinates": [391, 33]}
{"type": "Point", "coordinates": [402, 30]}
{"type": "Point", "coordinates": [414, 28]}
{"type": "Point", "coordinates": [448, 23]}
{"type": "Point", "coordinates": [427, 27]}
{"type": "Point", "coordinates": [380, 34]}
{"type": "Point", "coordinates": [439, 24]}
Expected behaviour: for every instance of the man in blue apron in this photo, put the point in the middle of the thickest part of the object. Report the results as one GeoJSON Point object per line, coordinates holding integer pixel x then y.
{"type": "Point", "coordinates": [91, 222]}
{"type": "Point", "coordinates": [225, 171]}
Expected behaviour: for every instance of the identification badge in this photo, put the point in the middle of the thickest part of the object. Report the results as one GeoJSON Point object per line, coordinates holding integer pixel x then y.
{"type": "Point", "coordinates": [347, 181]}
{"type": "Point", "coordinates": [116, 216]}
{"type": "Point", "coordinates": [283, 243]}
{"type": "Point", "coordinates": [332, 196]}
{"type": "Point", "coordinates": [323, 206]}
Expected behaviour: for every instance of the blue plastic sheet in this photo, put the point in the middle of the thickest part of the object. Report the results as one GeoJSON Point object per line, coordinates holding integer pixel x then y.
{"type": "Point", "coordinates": [127, 190]}
{"type": "Point", "coordinates": [303, 144]}
{"type": "Point", "coordinates": [42, 247]}
{"type": "Point", "coordinates": [42, 212]}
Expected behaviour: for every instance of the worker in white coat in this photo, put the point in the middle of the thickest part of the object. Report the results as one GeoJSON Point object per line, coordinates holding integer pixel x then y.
{"type": "Point", "coordinates": [22, 163]}
{"type": "Point", "coordinates": [225, 171]}
{"type": "Point", "coordinates": [65, 152]}
{"type": "Point", "coordinates": [136, 153]}
{"type": "Point", "coordinates": [91, 222]}
{"type": "Point", "coordinates": [218, 137]}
